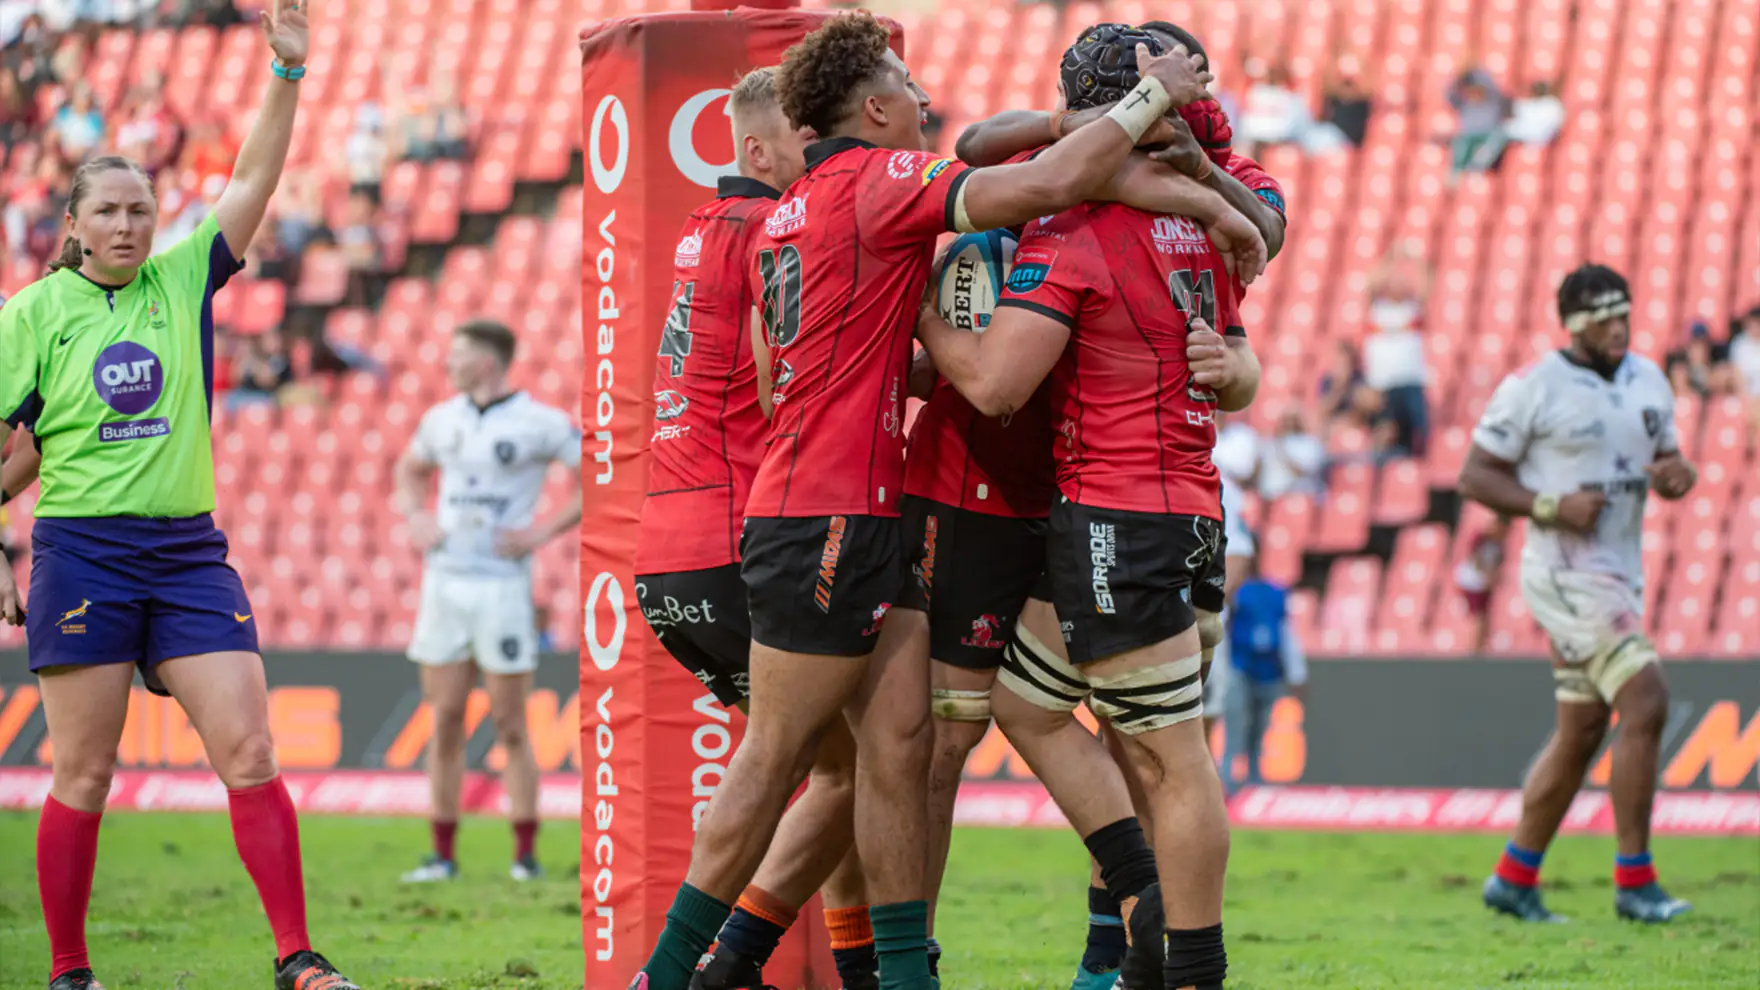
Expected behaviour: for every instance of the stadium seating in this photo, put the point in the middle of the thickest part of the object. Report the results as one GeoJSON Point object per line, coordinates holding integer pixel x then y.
{"type": "Point", "coordinates": [1654, 172]}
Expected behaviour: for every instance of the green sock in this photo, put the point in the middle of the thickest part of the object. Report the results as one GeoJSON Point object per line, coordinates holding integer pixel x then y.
{"type": "Point", "coordinates": [691, 925]}
{"type": "Point", "coordinates": [901, 939]}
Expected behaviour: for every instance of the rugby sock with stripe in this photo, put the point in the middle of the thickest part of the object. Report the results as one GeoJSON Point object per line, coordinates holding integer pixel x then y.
{"type": "Point", "coordinates": [852, 943]}
{"type": "Point", "coordinates": [67, 852]}
{"type": "Point", "coordinates": [1127, 864]}
{"type": "Point", "coordinates": [1519, 867]}
{"type": "Point", "coordinates": [1196, 959]}
{"type": "Point", "coordinates": [266, 832]}
{"type": "Point", "coordinates": [757, 924]}
{"type": "Point", "coordinates": [1630, 872]}
{"type": "Point", "coordinates": [445, 834]}
{"type": "Point", "coordinates": [901, 940]}
{"type": "Point", "coordinates": [1106, 941]}
{"type": "Point", "coordinates": [691, 925]}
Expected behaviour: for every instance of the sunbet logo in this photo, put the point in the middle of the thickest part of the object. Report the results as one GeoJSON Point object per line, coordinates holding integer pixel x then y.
{"type": "Point", "coordinates": [140, 429]}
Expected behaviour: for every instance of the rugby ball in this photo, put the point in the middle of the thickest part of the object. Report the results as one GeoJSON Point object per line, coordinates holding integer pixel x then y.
{"type": "Point", "coordinates": [972, 276]}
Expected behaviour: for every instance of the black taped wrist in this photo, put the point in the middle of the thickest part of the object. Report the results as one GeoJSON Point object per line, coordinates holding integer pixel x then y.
{"type": "Point", "coordinates": [1127, 865]}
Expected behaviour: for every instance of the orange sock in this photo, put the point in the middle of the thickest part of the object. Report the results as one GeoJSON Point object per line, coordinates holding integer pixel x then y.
{"type": "Point", "coordinates": [760, 903]}
{"type": "Point", "coordinates": [849, 927]}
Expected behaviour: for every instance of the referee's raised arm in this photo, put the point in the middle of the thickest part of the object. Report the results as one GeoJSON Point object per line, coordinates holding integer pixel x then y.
{"type": "Point", "coordinates": [262, 157]}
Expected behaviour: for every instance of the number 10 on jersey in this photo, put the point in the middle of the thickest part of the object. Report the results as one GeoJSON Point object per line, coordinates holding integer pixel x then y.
{"type": "Point", "coordinates": [781, 304]}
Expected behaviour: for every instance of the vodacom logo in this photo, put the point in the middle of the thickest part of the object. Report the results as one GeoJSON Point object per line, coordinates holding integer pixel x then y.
{"type": "Point", "coordinates": [681, 141]}
{"type": "Point", "coordinates": [610, 114]}
{"type": "Point", "coordinates": [605, 653]}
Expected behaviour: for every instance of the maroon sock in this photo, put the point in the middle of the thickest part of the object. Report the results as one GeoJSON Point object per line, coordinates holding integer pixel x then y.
{"type": "Point", "coordinates": [267, 834]}
{"type": "Point", "coordinates": [525, 838]}
{"type": "Point", "coordinates": [444, 834]}
{"type": "Point", "coordinates": [67, 852]}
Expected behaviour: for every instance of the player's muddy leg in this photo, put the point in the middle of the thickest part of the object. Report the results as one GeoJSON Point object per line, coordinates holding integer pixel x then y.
{"type": "Point", "coordinates": [1145, 694]}
{"type": "Point", "coordinates": [815, 835]}
{"type": "Point", "coordinates": [227, 701]}
{"type": "Point", "coordinates": [890, 715]}
{"type": "Point", "coordinates": [447, 690]}
{"type": "Point", "coordinates": [961, 706]}
{"type": "Point", "coordinates": [507, 708]}
{"type": "Point", "coordinates": [85, 708]}
{"type": "Point", "coordinates": [1642, 706]}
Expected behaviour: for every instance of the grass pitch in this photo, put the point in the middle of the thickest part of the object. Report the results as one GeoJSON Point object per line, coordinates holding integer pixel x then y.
{"type": "Point", "coordinates": [173, 909]}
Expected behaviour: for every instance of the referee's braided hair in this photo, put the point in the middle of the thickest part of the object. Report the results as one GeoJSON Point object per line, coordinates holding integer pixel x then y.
{"type": "Point", "coordinates": [1101, 67]}
{"type": "Point", "coordinates": [823, 72]}
{"type": "Point", "coordinates": [1590, 287]}
{"type": "Point", "coordinates": [72, 252]}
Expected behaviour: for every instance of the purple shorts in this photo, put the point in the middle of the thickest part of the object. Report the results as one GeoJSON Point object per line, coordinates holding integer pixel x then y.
{"type": "Point", "coordinates": [128, 589]}
{"type": "Point", "coordinates": [1478, 602]}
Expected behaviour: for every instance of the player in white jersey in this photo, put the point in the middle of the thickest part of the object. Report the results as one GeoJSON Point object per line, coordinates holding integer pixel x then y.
{"type": "Point", "coordinates": [1575, 442]}
{"type": "Point", "coordinates": [493, 447]}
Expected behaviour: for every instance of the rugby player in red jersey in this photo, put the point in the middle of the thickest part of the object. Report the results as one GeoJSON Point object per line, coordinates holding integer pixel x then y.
{"type": "Point", "coordinates": [842, 265]}
{"type": "Point", "coordinates": [710, 417]}
{"type": "Point", "coordinates": [1132, 295]}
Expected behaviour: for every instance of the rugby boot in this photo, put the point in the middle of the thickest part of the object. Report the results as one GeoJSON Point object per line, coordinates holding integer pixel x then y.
{"type": "Point", "coordinates": [433, 870]}
{"type": "Point", "coordinates": [306, 970]}
{"type": "Point", "coordinates": [76, 979]}
{"type": "Point", "coordinates": [1649, 904]}
{"type": "Point", "coordinates": [524, 868]}
{"type": "Point", "coordinates": [1522, 903]}
{"type": "Point", "coordinates": [1146, 922]}
{"type": "Point", "coordinates": [1087, 979]}
{"type": "Point", "coordinates": [728, 970]}
{"type": "Point", "coordinates": [867, 981]}
{"type": "Point", "coordinates": [934, 951]}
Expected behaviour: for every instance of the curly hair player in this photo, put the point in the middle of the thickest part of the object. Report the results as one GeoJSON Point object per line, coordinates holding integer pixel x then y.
{"type": "Point", "coordinates": [841, 270]}
{"type": "Point", "coordinates": [110, 358]}
{"type": "Point", "coordinates": [1575, 442]}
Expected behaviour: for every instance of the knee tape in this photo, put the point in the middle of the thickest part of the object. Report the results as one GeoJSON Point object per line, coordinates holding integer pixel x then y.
{"type": "Point", "coordinates": [1035, 673]}
{"type": "Point", "coordinates": [1616, 661]}
{"type": "Point", "coordinates": [1209, 629]}
{"type": "Point", "coordinates": [950, 705]}
{"type": "Point", "coordinates": [1153, 698]}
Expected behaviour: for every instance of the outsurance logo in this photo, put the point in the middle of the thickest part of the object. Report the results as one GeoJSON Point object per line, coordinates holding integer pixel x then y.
{"type": "Point", "coordinates": [128, 377]}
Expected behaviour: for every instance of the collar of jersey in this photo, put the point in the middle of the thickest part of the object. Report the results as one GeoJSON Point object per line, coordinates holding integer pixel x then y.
{"type": "Point", "coordinates": [1611, 375]}
{"type": "Point", "coordinates": [821, 151]}
{"type": "Point", "coordinates": [509, 397]}
{"type": "Point", "coordinates": [740, 187]}
{"type": "Point", "coordinates": [91, 287]}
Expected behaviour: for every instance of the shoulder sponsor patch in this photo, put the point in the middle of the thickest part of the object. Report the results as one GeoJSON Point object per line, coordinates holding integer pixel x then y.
{"type": "Point", "coordinates": [935, 168]}
{"type": "Point", "coordinates": [904, 164]}
{"type": "Point", "coordinates": [1272, 197]}
{"type": "Point", "coordinates": [1032, 265]}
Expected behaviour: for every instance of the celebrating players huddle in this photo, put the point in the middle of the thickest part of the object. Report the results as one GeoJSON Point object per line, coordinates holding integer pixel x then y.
{"type": "Point", "coordinates": [1057, 517]}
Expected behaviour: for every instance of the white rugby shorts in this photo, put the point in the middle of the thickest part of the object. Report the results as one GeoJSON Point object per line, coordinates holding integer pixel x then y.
{"type": "Point", "coordinates": [1240, 538]}
{"type": "Point", "coordinates": [1586, 616]}
{"type": "Point", "coordinates": [471, 617]}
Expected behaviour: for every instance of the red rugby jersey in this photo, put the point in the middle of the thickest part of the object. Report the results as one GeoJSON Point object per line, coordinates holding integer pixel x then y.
{"type": "Point", "coordinates": [1000, 467]}
{"type": "Point", "coordinates": [1136, 431]}
{"type": "Point", "coordinates": [1252, 175]}
{"type": "Point", "coordinates": [841, 267]}
{"type": "Point", "coordinates": [708, 427]}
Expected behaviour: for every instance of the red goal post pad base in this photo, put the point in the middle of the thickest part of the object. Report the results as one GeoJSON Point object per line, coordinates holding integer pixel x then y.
{"type": "Point", "coordinates": [654, 744]}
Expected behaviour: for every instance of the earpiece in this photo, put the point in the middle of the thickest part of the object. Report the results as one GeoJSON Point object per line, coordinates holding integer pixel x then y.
{"type": "Point", "coordinates": [88, 252]}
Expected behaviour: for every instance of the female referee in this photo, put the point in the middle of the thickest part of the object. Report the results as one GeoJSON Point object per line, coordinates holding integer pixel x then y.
{"type": "Point", "coordinates": [110, 360]}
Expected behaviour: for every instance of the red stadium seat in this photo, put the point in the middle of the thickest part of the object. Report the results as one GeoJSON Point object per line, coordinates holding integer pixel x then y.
{"type": "Point", "coordinates": [1344, 520]}
{"type": "Point", "coordinates": [1352, 589]}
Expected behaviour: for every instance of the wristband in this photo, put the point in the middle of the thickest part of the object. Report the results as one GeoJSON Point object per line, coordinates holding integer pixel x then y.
{"type": "Point", "coordinates": [291, 73]}
{"type": "Point", "coordinates": [1141, 107]}
{"type": "Point", "coordinates": [1545, 510]}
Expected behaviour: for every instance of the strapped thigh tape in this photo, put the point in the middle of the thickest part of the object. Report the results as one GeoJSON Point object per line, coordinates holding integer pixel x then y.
{"type": "Point", "coordinates": [1036, 674]}
{"type": "Point", "coordinates": [1142, 701]}
{"type": "Point", "coordinates": [1617, 661]}
{"type": "Point", "coordinates": [950, 705]}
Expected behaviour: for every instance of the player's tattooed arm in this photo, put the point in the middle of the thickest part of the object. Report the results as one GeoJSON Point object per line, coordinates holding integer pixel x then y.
{"type": "Point", "coordinates": [1492, 482]}
{"type": "Point", "coordinates": [1184, 153]}
{"type": "Point", "coordinates": [1000, 369]}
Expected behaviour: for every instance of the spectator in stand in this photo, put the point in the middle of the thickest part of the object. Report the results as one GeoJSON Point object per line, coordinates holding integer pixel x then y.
{"type": "Point", "coordinates": [1480, 106]}
{"type": "Point", "coordinates": [19, 118]}
{"type": "Point", "coordinates": [216, 13]}
{"type": "Point", "coordinates": [1267, 661]}
{"type": "Point", "coordinates": [434, 125]}
{"type": "Point", "coordinates": [1340, 389]}
{"type": "Point", "coordinates": [1701, 367]}
{"type": "Point", "coordinates": [359, 240]}
{"type": "Point", "coordinates": [1394, 365]}
{"type": "Point", "coordinates": [1291, 461]}
{"type": "Point", "coordinates": [367, 152]}
{"type": "Point", "coordinates": [31, 217]}
{"type": "Point", "coordinates": [1537, 118]}
{"type": "Point", "coordinates": [77, 129]}
{"type": "Point", "coordinates": [13, 15]}
{"type": "Point", "coordinates": [150, 133]}
{"type": "Point", "coordinates": [1345, 107]}
{"type": "Point", "coordinates": [301, 210]}
{"type": "Point", "coordinates": [195, 209]}
{"type": "Point", "coordinates": [1476, 577]}
{"type": "Point", "coordinates": [261, 369]}
{"type": "Point", "coordinates": [209, 152]}
{"type": "Point", "coordinates": [1744, 354]}
{"type": "Point", "coordinates": [1272, 112]}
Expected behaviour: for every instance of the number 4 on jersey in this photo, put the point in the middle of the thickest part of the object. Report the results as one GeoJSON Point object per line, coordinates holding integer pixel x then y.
{"type": "Point", "coordinates": [675, 340]}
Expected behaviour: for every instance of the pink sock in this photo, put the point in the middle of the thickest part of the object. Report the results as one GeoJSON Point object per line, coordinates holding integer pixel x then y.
{"type": "Point", "coordinates": [267, 834]}
{"type": "Point", "coordinates": [67, 852]}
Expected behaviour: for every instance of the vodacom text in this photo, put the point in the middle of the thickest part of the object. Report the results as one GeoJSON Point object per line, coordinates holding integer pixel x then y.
{"type": "Point", "coordinates": [603, 652]}
{"type": "Point", "coordinates": [610, 127]}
